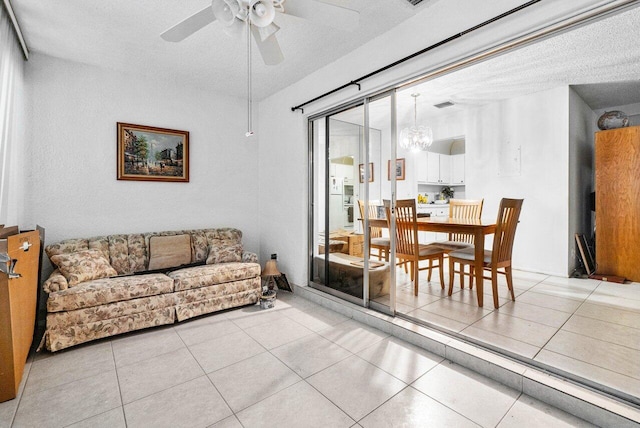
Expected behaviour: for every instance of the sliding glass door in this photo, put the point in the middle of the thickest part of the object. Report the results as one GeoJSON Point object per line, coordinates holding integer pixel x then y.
{"type": "Point", "coordinates": [350, 246]}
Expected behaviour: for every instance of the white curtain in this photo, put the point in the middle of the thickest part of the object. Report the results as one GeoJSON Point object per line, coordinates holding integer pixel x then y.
{"type": "Point", "coordinates": [11, 122]}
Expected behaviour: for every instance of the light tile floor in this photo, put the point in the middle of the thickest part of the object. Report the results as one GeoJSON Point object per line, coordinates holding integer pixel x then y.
{"type": "Point", "coordinates": [296, 365]}
{"type": "Point", "coordinates": [586, 327]}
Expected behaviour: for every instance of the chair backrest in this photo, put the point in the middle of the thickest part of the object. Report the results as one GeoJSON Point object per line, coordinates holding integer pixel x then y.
{"type": "Point", "coordinates": [469, 209]}
{"type": "Point", "coordinates": [406, 226]}
{"type": "Point", "coordinates": [506, 224]}
{"type": "Point", "coordinates": [375, 232]}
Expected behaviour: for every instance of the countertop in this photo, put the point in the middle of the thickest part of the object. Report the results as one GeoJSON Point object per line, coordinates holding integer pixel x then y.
{"type": "Point", "coordinates": [433, 206]}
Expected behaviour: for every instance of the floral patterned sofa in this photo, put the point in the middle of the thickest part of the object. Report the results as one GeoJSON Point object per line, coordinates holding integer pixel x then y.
{"type": "Point", "coordinates": [108, 285]}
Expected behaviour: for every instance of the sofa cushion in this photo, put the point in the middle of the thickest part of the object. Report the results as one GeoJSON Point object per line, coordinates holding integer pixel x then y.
{"type": "Point", "coordinates": [199, 245]}
{"type": "Point", "coordinates": [109, 290]}
{"type": "Point", "coordinates": [83, 266]}
{"type": "Point", "coordinates": [100, 243]}
{"type": "Point", "coordinates": [169, 251]}
{"type": "Point", "coordinates": [60, 338]}
{"type": "Point", "coordinates": [227, 233]}
{"type": "Point", "coordinates": [137, 252]}
{"type": "Point", "coordinates": [119, 254]}
{"type": "Point", "coordinates": [55, 282]}
{"type": "Point", "coordinates": [224, 251]}
{"type": "Point", "coordinates": [109, 311]}
{"type": "Point", "coordinates": [194, 302]}
{"type": "Point", "coordinates": [67, 246]}
{"type": "Point", "coordinates": [203, 276]}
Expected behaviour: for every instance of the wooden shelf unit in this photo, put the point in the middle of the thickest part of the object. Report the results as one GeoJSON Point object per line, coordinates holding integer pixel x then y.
{"type": "Point", "coordinates": [617, 183]}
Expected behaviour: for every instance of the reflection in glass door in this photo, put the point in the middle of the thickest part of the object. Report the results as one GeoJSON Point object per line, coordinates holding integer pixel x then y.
{"type": "Point", "coordinates": [380, 120]}
{"type": "Point", "coordinates": [337, 241]}
{"type": "Point", "coordinates": [350, 240]}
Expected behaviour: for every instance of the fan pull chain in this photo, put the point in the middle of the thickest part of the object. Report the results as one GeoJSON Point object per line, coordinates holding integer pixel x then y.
{"type": "Point", "coordinates": [249, 132]}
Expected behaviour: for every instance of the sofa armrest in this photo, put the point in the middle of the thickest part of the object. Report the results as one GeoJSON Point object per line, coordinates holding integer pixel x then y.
{"type": "Point", "coordinates": [249, 257]}
{"type": "Point", "coordinates": [55, 282]}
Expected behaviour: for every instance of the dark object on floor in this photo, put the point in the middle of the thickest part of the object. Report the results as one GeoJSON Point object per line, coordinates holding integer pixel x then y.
{"type": "Point", "coordinates": [589, 264]}
{"type": "Point", "coordinates": [608, 278]}
{"type": "Point", "coordinates": [282, 283]}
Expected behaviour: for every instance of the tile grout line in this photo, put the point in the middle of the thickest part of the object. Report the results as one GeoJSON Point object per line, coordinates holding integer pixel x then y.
{"type": "Point", "coordinates": [115, 366]}
{"type": "Point", "coordinates": [598, 338]}
{"type": "Point", "coordinates": [301, 378]}
{"type": "Point", "coordinates": [20, 394]}
{"type": "Point", "coordinates": [564, 323]}
{"type": "Point", "coordinates": [205, 374]}
{"type": "Point", "coordinates": [612, 308]}
{"type": "Point", "coordinates": [596, 365]}
{"type": "Point", "coordinates": [591, 403]}
{"type": "Point", "coordinates": [510, 408]}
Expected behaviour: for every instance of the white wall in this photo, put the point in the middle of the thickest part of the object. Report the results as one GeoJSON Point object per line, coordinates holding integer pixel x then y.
{"type": "Point", "coordinates": [538, 125]}
{"type": "Point", "coordinates": [71, 186]}
{"type": "Point", "coordinates": [12, 106]}
{"type": "Point", "coordinates": [284, 220]}
{"type": "Point", "coordinates": [582, 127]}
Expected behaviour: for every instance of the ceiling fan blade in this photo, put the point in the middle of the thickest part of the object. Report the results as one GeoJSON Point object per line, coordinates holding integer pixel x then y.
{"type": "Point", "coordinates": [269, 48]}
{"type": "Point", "coordinates": [184, 29]}
{"type": "Point", "coordinates": [323, 13]}
{"type": "Point", "coordinates": [266, 32]}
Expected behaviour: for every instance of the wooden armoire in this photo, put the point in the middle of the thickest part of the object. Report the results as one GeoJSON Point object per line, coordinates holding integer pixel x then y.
{"type": "Point", "coordinates": [617, 167]}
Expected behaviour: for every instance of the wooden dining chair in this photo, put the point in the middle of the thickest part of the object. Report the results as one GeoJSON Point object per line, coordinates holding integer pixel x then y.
{"type": "Point", "coordinates": [468, 209]}
{"type": "Point", "coordinates": [377, 242]}
{"type": "Point", "coordinates": [497, 258]}
{"type": "Point", "coordinates": [408, 249]}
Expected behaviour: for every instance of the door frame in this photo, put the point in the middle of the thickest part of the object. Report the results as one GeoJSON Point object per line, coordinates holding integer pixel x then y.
{"type": "Point", "coordinates": [363, 101]}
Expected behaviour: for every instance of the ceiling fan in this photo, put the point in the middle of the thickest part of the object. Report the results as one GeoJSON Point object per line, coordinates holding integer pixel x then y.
{"type": "Point", "coordinates": [259, 14]}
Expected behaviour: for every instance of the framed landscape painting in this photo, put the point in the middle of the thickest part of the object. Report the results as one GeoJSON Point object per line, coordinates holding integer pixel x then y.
{"type": "Point", "coordinates": [147, 153]}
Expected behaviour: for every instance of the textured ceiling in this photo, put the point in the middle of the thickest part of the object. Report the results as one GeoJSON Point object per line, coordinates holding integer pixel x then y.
{"type": "Point", "coordinates": [598, 60]}
{"type": "Point", "coordinates": [125, 35]}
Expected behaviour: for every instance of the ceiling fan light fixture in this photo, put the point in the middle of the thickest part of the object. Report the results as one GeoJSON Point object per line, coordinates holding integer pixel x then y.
{"type": "Point", "coordinates": [261, 12]}
{"type": "Point", "coordinates": [225, 11]}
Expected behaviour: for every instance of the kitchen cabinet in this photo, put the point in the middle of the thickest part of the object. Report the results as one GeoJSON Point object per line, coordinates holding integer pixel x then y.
{"type": "Point", "coordinates": [342, 171]}
{"type": "Point", "coordinates": [421, 166]}
{"type": "Point", "coordinates": [617, 171]}
{"type": "Point", "coordinates": [438, 168]}
{"type": "Point", "coordinates": [435, 211]}
{"type": "Point", "coordinates": [457, 169]}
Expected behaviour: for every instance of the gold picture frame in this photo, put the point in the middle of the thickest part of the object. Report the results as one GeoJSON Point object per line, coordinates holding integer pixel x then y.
{"type": "Point", "coordinates": [399, 169]}
{"type": "Point", "coordinates": [361, 172]}
{"type": "Point", "coordinates": [148, 153]}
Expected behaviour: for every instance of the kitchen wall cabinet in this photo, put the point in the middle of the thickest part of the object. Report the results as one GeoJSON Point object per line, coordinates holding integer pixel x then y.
{"type": "Point", "coordinates": [457, 169]}
{"type": "Point", "coordinates": [342, 171]}
{"type": "Point", "coordinates": [438, 168]}
{"type": "Point", "coordinates": [421, 167]}
{"type": "Point", "coordinates": [617, 170]}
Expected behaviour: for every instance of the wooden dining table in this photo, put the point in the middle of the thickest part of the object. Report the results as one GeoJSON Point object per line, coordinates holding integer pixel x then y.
{"type": "Point", "coordinates": [478, 228]}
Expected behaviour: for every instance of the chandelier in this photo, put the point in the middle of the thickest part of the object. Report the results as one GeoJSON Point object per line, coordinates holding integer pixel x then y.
{"type": "Point", "coordinates": [416, 138]}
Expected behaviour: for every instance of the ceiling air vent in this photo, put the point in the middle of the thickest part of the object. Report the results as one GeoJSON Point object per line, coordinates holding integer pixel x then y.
{"type": "Point", "coordinates": [414, 2]}
{"type": "Point", "coordinates": [444, 104]}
